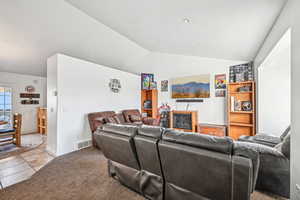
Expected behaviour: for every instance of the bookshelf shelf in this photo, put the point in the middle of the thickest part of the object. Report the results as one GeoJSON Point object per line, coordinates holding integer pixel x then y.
{"type": "Point", "coordinates": [151, 96]}
{"type": "Point", "coordinates": [241, 121]}
{"type": "Point", "coordinates": [242, 112]}
{"type": "Point", "coordinates": [241, 124]}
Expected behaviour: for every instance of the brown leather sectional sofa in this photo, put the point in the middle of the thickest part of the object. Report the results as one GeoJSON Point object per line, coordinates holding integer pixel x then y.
{"type": "Point", "coordinates": [130, 116]}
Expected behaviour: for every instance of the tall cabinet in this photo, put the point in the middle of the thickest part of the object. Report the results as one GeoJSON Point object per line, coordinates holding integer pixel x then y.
{"type": "Point", "coordinates": [241, 109]}
{"type": "Point", "coordinates": [42, 120]}
{"type": "Point", "coordinates": [149, 103]}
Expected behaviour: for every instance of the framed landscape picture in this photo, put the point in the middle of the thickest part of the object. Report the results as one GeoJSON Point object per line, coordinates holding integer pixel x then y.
{"type": "Point", "coordinates": [191, 87]}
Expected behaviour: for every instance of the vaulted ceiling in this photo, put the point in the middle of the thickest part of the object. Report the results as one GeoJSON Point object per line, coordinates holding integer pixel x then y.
{"type": "Point", "coordinates": [226, 29]}
{"type": "Point", "coordinates": [116, 33]}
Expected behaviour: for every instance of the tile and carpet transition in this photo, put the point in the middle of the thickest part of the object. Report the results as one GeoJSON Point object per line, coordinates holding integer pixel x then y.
{"type": "Point", "coordinates": [78, 176]}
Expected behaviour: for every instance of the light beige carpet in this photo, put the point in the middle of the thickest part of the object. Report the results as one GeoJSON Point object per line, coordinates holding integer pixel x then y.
{"type": "Point", "coordinates": [77, 176]}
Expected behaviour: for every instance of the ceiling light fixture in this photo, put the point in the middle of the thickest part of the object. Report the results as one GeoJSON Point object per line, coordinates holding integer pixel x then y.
{"type": "Point", "coordinates": [186, 20]}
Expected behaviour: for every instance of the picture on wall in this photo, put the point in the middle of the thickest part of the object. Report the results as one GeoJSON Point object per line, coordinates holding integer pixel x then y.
{"type": "Point", "coordinates": [146, 80]}
{"type": "Point", "coordinates": [220, 93]}
{"type": "Point", "coordinates": [220, 81]}
{"type": "Point", "coordinates": [164, 86]}
{"type": "Point", "coordinates": [191, 87]}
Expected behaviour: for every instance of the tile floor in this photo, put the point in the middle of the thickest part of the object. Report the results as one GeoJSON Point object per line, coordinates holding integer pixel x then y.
{"type": "Point", "coordinates": [21, 167]}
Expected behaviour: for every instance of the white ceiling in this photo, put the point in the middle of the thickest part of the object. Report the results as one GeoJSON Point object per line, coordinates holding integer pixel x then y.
{"type": "Point", "coordinates": [118, 33]}
{"type": "Point", "coordinates": [225, 29]}
{"type": "Point", "coordinates": [33, 30]}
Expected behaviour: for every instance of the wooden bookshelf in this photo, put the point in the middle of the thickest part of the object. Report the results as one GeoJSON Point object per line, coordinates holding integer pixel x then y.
{"type": "Point", "coordinates": [149, 95]}
{"type": "Point", "coordinates": [42, 120]}
{"type": "Point", "coordinates": [241, 122]}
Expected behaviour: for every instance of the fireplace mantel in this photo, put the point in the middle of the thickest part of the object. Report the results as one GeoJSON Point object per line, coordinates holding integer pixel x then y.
{"type": "Point", "coordinates": [184, 120]}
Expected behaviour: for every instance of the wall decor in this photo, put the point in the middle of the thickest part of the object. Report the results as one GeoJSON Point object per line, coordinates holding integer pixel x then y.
{"type": "Point", "coordinates": [146, 80]}
{"type": "Point", "coordinates": [220, 93]}
{"type": "Point", "coordinates": [220, 81]}
{"type": "Point", "coordinates": [30, 89]}
{"type": "Point", "coordinates": [153, 85]}
{"type": "Point", "coordinates": [30, 102]}
{"type": "Point", "coordinates": [115, 85]}
{"type": "Point", "coordinates": [164, 86]}
{"type": "Point", "coordinates": [191, 87]}
{"type": "Point", "coordinates": [30, 95]}
{"type": "Point", "coordinates": [241, 73]}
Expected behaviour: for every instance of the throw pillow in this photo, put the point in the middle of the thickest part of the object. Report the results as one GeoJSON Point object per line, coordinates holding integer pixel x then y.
{"type": "Point", "coordinates": [117, 120]}
{"type": "Point", "coordinates": [111, 120]}
{"type": "Point", "coordinates": [100, 119]}
{"type": "Point", "coordinates": [135, 118]}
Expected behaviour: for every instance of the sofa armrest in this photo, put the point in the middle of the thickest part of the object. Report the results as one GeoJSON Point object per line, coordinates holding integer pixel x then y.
{"type": "Point", "coordinates": [242, 181]}
{"type": "Point", "coordinates": [267, 140]}
{"type": "Point", "coordinates": [242, 149]}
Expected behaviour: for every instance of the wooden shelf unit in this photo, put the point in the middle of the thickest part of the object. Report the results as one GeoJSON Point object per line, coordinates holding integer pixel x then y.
{"type": "Point", "coordinates": [241, 122]}
{"type": "Point", "coordinates": [149, 95]}
{"type": "Point", "coordinates": [42, 120]}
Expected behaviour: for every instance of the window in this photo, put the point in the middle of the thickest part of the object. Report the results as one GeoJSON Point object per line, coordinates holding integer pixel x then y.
{"type": "Point", "coordinates": [6, 104]}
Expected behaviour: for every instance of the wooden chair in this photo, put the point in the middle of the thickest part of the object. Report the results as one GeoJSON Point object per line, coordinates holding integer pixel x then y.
{"type": "Point", "coordinates": [12, 135]}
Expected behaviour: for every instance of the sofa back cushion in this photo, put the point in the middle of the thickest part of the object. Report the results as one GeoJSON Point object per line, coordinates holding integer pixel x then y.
{"type": "Point", "coordinates": [96, 119]}
{"type": "Point", "coordinates": [120, 129]}
{"type": "Point", "coordinates": [151, 131]}
{"type": "Point", "coordinates": [195, 172]}
{"type": "Point", "coordinates": [213, 143]}
{"type": "Point", "coordinates": [118, 148]}
{"type": "Point", "coordinates": [121, 118]}
{"type": "Point", "coordinates": [116, 143]}
{"type": "Point", "coordinates": [146, 147]}
{"type": "Point", "coordinates": [127, 113]}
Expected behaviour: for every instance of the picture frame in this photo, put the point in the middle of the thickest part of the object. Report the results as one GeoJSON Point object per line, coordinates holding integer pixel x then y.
{"type": "Point", "coordinates": [220, 81]}
{"type": "Point", "coordinates": [220, 93]}
{"type": "Point", "coordinates": [164, 86]}
{"type": "Point", "coordinates": [146, 80]}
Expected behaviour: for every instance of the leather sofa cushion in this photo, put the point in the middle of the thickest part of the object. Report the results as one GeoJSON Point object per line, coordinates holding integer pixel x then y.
{"type": "Point", "coordinates": [120, 117]}
{"type": "Point", "coordinates": [94, 124]}
{"type": "Point", "coordinates": [118, 148]}
{"type": "Point", "coordinates": [121, 129]}
{"type": "Point", "coordinates": [151, 131]}
{"type": "Point", "coordinates": [214, 143]}
{"type": "Point", "coordinates": [127, 113]}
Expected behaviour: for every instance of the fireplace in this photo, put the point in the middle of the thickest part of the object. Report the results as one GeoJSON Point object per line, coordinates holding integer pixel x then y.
{"type": "Point", "coordinates": [184, 120]}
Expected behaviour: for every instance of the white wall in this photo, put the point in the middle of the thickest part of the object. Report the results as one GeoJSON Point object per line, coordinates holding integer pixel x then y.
{"type": "Point", "coordinates": [289, 18]}
{"type": "Point", "coordinates": [83, 88]}
{"type": "Point", "coordinates": [18, 83]}
{"type": "Point", "coordinates": [274, 89]}
{"type": "Point", "coordinates": [52, 131]}
{"type": "Point", "coordinates": [167, 66]}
